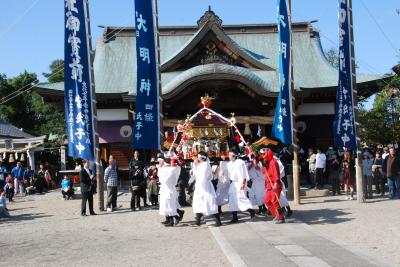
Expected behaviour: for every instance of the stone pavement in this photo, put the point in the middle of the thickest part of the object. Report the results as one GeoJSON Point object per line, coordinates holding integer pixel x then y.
{"type": "Point", "coordinates": [262, 243]}
{"type": "Point", "coordinates": [48, 231]}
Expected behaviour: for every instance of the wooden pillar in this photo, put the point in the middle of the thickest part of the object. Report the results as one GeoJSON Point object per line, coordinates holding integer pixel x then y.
{"type": "Point", "coordinates": [359, 176]}
{"type": "Point", "coordinates": [296, 173]}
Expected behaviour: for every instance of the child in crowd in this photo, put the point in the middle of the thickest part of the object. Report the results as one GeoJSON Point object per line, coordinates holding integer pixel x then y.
{"type": "Point", "coordinates": [66, 188]}
{"type": "Point", "coordinates": [9, 188]}
{"type": "Point", "coordinates": [152, 186]}
{"type": "Point", "coordinates": [3, 206]}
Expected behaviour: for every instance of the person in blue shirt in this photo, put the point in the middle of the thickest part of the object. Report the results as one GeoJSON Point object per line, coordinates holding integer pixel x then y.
{"type": "Point", "coordinates": [18, 174]}
{"type": "Point", "coordinates": [66, 188]}
{"type": "Point", "coordinates": [28, 176]}
{"type": "Point", "coordinates": [3, 174]}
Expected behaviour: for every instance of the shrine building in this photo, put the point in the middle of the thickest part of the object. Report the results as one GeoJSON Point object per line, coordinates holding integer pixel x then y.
{"type": "Point", "coordinates": [235, 64]}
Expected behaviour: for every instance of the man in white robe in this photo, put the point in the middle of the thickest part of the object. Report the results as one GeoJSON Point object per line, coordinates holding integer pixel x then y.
{"type": "Point", "coordinates": [204, 197]}
{"type": "Point", "coordinates": [257, 189]}
{"type": "Point", "coordinates": [282, 197]}
{"type": "Point", "coordinates": [168, 177]}
{"type": "Point", "coordinates": [238, 175]}
{"type": "Point", "coordinates": [223, 184]}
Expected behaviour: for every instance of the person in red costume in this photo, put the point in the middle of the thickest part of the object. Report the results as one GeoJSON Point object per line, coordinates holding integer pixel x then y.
{"type": "Point", "coordinates": [273, 186]}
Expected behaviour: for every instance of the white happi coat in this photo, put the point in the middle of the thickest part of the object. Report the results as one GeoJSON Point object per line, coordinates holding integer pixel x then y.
{"type": "Point", "coordinates": [204, 198]}
{"type": "Point", "coordinates": [223, 184]}
{"type": "Point", "coordinates": [257, 190]}
{"type": "Point", "coordinates": [168, 177]}
{"type": "Point", "coordinates": [282, 198]}
{"type": "Point", "coordinates": [237, 171]}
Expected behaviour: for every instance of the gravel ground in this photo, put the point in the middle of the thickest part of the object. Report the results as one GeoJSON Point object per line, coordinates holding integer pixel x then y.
{"type": "Point", "coordinates": [373, 227]}
{"type": "Point", "coordinates": [46, 231]}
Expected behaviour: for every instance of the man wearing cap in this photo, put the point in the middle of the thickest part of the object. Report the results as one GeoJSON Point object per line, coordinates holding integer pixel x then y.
{"type": "Point", "coordinates": [273, 186]}
{"type": "Point", "coordinates": [204, 198]}
{"type": "Point", "coordinates": [237, 173]}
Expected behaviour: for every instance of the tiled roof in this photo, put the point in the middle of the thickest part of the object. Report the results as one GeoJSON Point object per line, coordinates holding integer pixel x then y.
{"type": "Point", "coordinates": [8, 130]}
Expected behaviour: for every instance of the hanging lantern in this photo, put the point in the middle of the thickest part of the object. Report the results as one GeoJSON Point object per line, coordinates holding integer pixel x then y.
{"type": "Point", "coordinates": [11, 159]}
{"type": "Point", "coordinates": [22, 157]}
{"type": "Point", "coordinates": [247, 130]}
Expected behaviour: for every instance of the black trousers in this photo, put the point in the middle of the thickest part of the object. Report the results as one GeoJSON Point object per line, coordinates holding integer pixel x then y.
{"type": "Point", "coordinates": [10, 193]}
{"type": "Point", "coordinates": [68, 193]}
{"type": "Point", "coordinates": [112, 196]}
{"type": "Point", "coordinates": [319, 177]}
{"type": "Point", "coordinates": [154, 199]}
{"type": "Point", "coordinates": [87, 196]}
{"type": "Point", "coordinates": [182, 195]}
{"type": "Point", "coordinates": [143, 193]}
{"type": "Point", "coordinates": [135, 199]}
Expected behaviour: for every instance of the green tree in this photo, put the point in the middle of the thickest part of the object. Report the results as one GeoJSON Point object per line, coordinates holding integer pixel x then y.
{"type": "Point", "coordinates": [56, 73]}
{"type": "Point", "coordinates": [332, 57]}
{"type": "Point", "coordinates": [28, 110]}
{"type": "Point", "coordinates": [379, 124]}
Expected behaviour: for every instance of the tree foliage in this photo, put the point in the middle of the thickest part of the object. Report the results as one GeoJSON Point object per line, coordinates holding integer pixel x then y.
{"type": "Point", "coordinates": [380, 124]}
{"type": "Point", "coordinates": [28, 110]}
{"type": "Point", "coordinates": [56, 73]}
{"type": "Point", "coordinates": [332, 57]}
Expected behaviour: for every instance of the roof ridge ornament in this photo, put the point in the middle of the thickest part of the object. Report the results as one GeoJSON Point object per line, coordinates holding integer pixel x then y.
{"type": "Point", "coordinates": [209, 16]}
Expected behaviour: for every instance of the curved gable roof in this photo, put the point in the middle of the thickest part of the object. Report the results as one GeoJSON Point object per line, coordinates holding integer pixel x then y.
{"type": "Point", "coordinates": [227, 45]}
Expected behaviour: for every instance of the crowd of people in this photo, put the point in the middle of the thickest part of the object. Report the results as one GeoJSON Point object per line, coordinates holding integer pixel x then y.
{"type": "Point", "coordinates": [338, 168]}
{"type": "Point", "coordinates": [254, 185]}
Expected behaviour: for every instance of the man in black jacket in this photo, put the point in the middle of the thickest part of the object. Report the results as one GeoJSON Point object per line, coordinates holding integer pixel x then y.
{"type": "Point", "coordinates": [392, 172]}
{"type": "Point", "coordinates": [87, 180]}
{"type": "Point", "coordinates": [138, 182]}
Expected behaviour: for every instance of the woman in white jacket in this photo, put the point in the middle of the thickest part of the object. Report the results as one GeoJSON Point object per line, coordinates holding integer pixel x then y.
{"type": "Point", "coordinates": [204, 197]}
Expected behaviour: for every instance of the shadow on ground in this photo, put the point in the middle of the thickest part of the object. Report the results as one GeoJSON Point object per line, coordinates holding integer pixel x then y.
{"type": "Point", "coordinates": [23, 217]}
{"type": "Point", "coordinates": [322, 216]}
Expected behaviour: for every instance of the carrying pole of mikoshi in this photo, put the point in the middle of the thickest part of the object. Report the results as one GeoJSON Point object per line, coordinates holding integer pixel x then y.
{"type": "Point", "coordinates": [296, 172]}
{"type": "Point", "coordinates": [158, 58]}
{"type": "Point", "coordinates": [359, 179]}
{"type": "Point", "coordinates": [100, 182]}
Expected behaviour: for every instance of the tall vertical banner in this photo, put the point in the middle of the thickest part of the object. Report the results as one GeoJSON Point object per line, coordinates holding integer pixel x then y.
{"type": "Point", "coordinates": [77, 81]}
{"type": "Point", "coordinates": [282, 127]}
{"type": "Point", "coordinates": [147, 123]}
{"type": "Point", "coordinates": [344, 130]}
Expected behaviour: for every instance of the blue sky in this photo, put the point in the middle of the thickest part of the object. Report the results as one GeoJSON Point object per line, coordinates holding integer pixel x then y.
{"type": "Point", "coordinates": [31, 31]}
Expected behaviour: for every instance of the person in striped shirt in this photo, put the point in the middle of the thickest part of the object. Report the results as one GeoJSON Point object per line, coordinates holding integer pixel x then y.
{"type": "Point", "coordinates": [111, 180]}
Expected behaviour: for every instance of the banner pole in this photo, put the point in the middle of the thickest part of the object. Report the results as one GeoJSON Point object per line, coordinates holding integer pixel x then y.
{"type": "Point", "coordinates": [295, 146]}
{"type": "Point", "coordinates": [359, 176]}
{"type": "Point", "coordinates": [159, 85]}
{"type": "Point", "coordinates": [100, 183]}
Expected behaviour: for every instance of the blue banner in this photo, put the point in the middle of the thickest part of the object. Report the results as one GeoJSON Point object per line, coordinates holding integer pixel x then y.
{"type": "Point", "coordinates": [146, 133]}
{"type": "Point", "coordinates": [343, 125]}
{"type": "Point", "coordinates": [282, 127]}
{"type": "Point", "coordinates": [77, 81]}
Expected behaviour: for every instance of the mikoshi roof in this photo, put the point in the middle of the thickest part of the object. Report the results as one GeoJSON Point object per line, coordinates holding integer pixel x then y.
{"type": "Point", "coordinates": [8, 130]}
{"type": "Point", "coordinates": [257, 45]}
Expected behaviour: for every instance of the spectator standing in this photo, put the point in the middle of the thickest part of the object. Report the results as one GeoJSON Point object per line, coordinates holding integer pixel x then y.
{"type": "Point", "coordinates": [311, 166]}
{"type": "Point", "coordinates": [348, 174]}
{"type": "Point", "coordinates": [3, 205]}
{"type": "Point", "coordinates": [3, 174]}
{"type": "Point", "coordinates": [377, 172]}
{"type": "Point", "coordinates": [136, 175]}
{"type": "Point", "coordinates": [87, 180]}
{"type": "Point", "coordinates": [152, 186]}
{"type": "Point", "coordinates": [320, 168]}
{"type": "Point", "coordinates": [334, 169]}
{"type": "Point", "coordinates": [392, 171]}
{"type": "Point", "coordinates": [18, 174]}
{"type": "Point", "coordinates": [385, 152]}
{"type": "Point", "coordinates": [66, 188]}
{"type": "Point", "coordinates": [9, 188]}
{"type": "Point", "coordinates": [111, 180]}
{"type": "Point", "coordinates": [40, 182]}
{"type": "Point", "coordinates": [367, 174]}
{"type": "Point", "coordinates": [28, 176]}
